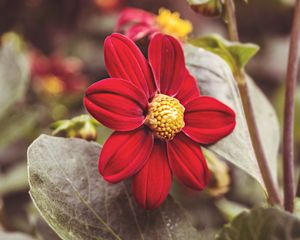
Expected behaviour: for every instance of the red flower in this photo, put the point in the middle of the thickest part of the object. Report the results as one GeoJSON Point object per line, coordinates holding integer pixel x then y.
{"type": "Point", "coordinates": [158, 116]}
{"type": "Point", "coordinates": [138, 23]}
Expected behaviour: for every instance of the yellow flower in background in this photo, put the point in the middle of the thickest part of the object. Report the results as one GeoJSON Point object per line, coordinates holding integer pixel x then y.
{"type": "Point", "coordinates": [137, 23]}
{"type": "Point", "coordinates": [171, 23]}
{"type": "Point", "coordinates": [52, 85]}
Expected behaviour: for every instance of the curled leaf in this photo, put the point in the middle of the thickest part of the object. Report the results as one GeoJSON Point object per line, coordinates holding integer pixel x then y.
{"type": "Point", "coordinates": [235, 54]}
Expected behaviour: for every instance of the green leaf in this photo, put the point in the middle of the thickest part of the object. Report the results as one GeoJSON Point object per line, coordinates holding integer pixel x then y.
{"type": "Point", "coordinates": [237, 55]}
{"type": "Point", "coordinates": [76, 202]}
{"type": "Point", "coordinates": [215, 79]}
{"type": "Point", "coordinates": [14, 72]}
{"type": "Point", "coordinates": [262, 224]}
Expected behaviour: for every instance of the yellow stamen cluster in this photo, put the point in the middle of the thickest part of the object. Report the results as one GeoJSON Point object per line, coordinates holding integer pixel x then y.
{"type": "Point", "coordinates": [171, 23]}
{"type": "Point", "coordinates": [165, 116]}
{"type": "Point", "coordinates": [52, 85]}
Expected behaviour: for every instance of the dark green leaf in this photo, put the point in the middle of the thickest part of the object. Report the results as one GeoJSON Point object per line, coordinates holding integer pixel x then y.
{"type": "Point", "coordinates": [75, 201]}
{"type": "Point", "coordinates": [262, 224]}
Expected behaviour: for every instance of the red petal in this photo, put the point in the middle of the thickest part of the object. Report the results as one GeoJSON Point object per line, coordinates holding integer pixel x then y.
{"type": "Point", "coordinates": [116, 103]}
{"type": "Point", "coordinates": [187, 162]}
{"type": "Point", "coordinates": [124, 154]}
{"type": "Point", "coordinates": [134, 15]}
{"type": "Point", "coordinates": [152, 183]}
{"type": "Point", "coordinates": [167, 63]}
{"type": "Point", "coordinates": [138, 31]}
{"type": "Point", "coordinates": [207, 120]}
{"type": "Point", "coordinates": [188, 90]}
{"type": "Point", "coordinates": [124, 60]}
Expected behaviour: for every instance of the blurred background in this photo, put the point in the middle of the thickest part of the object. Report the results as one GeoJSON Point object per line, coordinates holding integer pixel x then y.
{"type": "Point", "coordinates": [51, 50]}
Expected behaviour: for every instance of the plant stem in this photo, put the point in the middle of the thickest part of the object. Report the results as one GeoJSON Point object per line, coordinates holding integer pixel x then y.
{"type": "Point", "coordinates": [289, 113]}
{"type": "Point", "coordinates": [232, 24]}
{"type": "Point", "coordinates": [271, 187]}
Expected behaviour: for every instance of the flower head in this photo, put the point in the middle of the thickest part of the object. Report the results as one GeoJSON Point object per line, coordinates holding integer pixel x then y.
{"type": "Point", "coordinates": [138, 23]}
{"type": "Point", "coordinates": [159, 118]}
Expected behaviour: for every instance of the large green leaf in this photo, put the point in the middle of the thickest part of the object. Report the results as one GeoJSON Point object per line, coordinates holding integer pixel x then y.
{"type": "Point", "coordinates": [14, 72]}
{"type": "Point", "coordinates": [215, 79]}
{"type": "Point", "coordinates": [72, 197]}
{"type": "Point", "coordinates": [262, 224]}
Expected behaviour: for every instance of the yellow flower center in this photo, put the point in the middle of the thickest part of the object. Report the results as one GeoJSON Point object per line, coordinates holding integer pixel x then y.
{"type": "Point", "coordinates": [52, 85]}
{"type": "Point", "coordinates": [171, 23]}
{"type": "Point", "coordinates": [165, 117]}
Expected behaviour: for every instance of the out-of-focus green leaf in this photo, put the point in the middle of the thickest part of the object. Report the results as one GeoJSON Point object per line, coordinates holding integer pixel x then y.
{"type": "Point", "coordinates": [262, 224]}
{"type": "Point", "coordinates": [14, 71]}
{"type": "Point", "coordinates": [15, 180]}
{"type": "Point", "coordinates": [230, 209]}
{"type": "Point", "coordinates": [76, 202]}
{"type": "Point", "coordinates": [208, 8]}
{"type": "Point", "coordinates": [215, 79]}
{"type": "Point", "coordinates": [17, 124]}
{"type": "Point", "coordinates": [235, 54]}
{"type": "Point", "coordinates": [14, 236]}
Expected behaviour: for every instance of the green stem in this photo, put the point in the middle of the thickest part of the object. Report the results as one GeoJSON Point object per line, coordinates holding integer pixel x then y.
{"type": "Point", "coordinates": [271, 186]}
{"type": "Point", "coordinates": [289, 113]}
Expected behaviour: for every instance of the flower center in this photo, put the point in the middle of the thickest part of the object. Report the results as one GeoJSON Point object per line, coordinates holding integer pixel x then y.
{"type": "Point", "coordinates": [171, 23]}
{"type": "Point", "coordinates": [165, 116]}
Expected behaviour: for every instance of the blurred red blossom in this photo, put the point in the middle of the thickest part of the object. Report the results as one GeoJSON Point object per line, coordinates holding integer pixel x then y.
{"type": "Point", "coordinates": [56, 75]}
{"type": "Point", "coordinates": [137, 23]}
